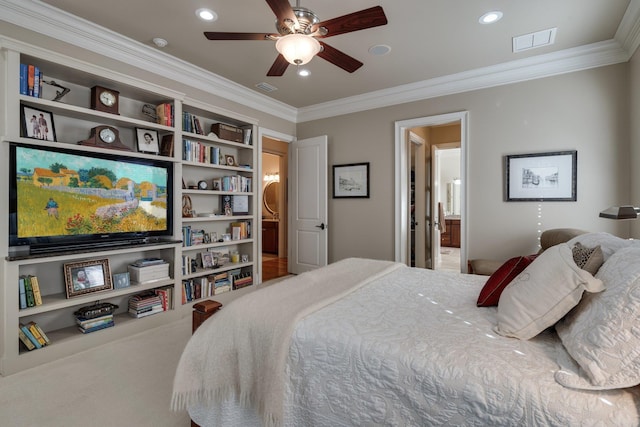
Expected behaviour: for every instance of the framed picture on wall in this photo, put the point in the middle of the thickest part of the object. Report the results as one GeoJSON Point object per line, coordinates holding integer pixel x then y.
{"type": "Point", "coordinates": [351, 181]}
{"type": "Point", "coordinates": [541, 177]}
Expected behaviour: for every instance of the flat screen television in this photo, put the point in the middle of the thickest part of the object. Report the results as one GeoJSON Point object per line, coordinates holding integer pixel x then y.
{"type": "Point", "coordinates": [61, 199]}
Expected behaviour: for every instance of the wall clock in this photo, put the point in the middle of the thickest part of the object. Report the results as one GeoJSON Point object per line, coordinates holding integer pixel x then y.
{"type": "Point", "coordinates": [105, 137]}
{"type": "Point", "coordinates": [104, 99]}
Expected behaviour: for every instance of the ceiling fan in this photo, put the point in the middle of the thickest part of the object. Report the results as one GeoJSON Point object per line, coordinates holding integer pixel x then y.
{"type": "Point", "coordinates": [298, 30]}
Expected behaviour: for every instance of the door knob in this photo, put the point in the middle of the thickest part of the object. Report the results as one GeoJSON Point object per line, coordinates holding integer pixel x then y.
{"type": "Point", "coordinates": [321, 226]}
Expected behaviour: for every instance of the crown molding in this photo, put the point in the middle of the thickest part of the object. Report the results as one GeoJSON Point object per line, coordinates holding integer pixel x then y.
{"type": "Point", "coordinates": [52, 22]}
{"type": "Point", "coordinates": [566, 61]}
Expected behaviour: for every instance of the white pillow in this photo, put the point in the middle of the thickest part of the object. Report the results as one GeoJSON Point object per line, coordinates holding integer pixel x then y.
{"type": "Point", "coordinates": [543, 293]}
{"type": "Point", "coordinates": [602, 333]}
{"type": "Point", "coordinates": [607, 242]}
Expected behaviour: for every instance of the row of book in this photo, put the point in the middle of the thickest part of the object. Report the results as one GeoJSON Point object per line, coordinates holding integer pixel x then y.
{"type": "Point", "coordinates": [29, 291]}
{"type": "Point", "coordinates": [88, 325]}
{"type": "Point", "coordinates": [214, 284]}
{"type": "Point", "coordinates": [192, 236]}
{"type": "Point", "coordinates": [32, 336]}
{"type": "Point", "coordinates": [191, 123]}
{"type": "Point", "coordinates": [164, 114]}
{"type": "Point", "coordinates": [31, 79]}
{"type": "Point", "coordinates": [151, 302]}
{"type": "Point", "coordinates": [234, 183]}
{"type": "Point", "coordinates": [194, 151]}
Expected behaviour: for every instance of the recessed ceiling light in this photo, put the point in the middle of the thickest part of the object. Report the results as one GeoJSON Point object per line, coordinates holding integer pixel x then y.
{"type": "Point", "coordinates": [379, 49]}
{"type": "Point", "coordinates": [490, 17]}
{"type": "Point", "coordinates": [206, 14]}
{"type": "Point", "coordinates": [303, 72]}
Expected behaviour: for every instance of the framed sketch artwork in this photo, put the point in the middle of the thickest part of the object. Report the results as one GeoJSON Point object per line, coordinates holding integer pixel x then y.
{"type": "Point", "coordinates": [351, 181]}
{"type": "Point", "coordinates": [541, 177]}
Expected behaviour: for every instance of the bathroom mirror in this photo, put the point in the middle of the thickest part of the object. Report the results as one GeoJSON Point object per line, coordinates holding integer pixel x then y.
{"type": "Point", "coordinates": [270, 197]}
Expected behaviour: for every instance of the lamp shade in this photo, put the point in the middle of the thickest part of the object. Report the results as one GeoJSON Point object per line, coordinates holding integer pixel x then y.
{"type": "Point", "coordinates": [298, 49]}
{"type": "Point", "coordinates": [620, 212]}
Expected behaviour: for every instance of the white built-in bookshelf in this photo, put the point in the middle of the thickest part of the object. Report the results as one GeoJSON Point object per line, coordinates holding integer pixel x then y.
{"type": "Point", "coordinates": [74, 118]}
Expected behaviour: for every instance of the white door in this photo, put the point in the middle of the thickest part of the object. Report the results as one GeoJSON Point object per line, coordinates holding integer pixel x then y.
{"type": "Point", "coordinates": [438, 221]}
{"type": "Point", "coordinates": [308, 214]}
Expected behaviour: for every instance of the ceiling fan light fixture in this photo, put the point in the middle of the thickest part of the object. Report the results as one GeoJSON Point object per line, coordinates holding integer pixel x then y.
{"type": "Point", "coordinates": [298, 49]}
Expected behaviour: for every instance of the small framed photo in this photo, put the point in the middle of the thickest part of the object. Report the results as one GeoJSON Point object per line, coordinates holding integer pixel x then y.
{"type": "Point", "coordinates": [230, 160]}
{"type": "Point", "coordinates": [244, 258]}
{"type": "Point", "coordinates": [37, 124]}
{"type": "Point", "coordinates": [216, 184]}
{"type": "Point", "coordinates": [213, 236]}
{"type": "Point", "coordinates": [207, 260]}
{"type": "Point", "coordinates": [351, 181]}
{"type": "Point", "coordinates": [87, 276]}
{"type": "Point", "coordinates": [240, 205]}
{"type": "Point", "coordinates": [541, 177]}
{"type": "Point", "coordinates": [147, 141]}
{"type": "Point", "coordinates": [121, 280]}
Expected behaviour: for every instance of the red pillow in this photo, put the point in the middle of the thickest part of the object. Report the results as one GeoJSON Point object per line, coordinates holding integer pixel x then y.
{"type": "Point", "coordinates": [490, 293]}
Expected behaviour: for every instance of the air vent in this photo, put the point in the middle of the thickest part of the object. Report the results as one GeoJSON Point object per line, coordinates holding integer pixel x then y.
{"type": "Point", "coordinates": [534, 40]}
{"type": "Point", "coordinates": [266, 87]}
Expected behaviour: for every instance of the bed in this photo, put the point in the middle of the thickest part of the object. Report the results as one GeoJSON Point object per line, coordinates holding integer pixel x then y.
{"type": "Point", "coordinates": [381, 344]}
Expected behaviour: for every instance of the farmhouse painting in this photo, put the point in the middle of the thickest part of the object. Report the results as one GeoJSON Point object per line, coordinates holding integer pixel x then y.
{"type": "Point", "coordinates": [65, 194]}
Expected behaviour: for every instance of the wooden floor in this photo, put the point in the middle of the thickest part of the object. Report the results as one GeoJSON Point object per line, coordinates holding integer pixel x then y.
{"type": "Point", "coordinates": [273, 267]}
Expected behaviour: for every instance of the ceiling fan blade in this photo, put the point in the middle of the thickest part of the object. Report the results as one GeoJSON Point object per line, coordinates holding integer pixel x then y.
{"type": "Point", "coordinates": [239, 36]}
{"type": "Point", "coordinates": [279, 67]}
{"type": "Point", "coordinates": [283, 11]}
{"type": "Point", "coordinates": [339, 58]}
{"type": "Point", "coordinates": [367, 18]}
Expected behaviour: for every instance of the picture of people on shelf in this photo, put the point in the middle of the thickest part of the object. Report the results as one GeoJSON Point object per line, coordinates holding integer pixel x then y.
{"type": "Point", "coordinates": [81, 281]}
{"type": "Point", "coordinates": [148, 139]}
{"type": "Point", "coordinates": [88, 277]}
{"type": "Point", "coordinates": [52, 208]}
{"type": "Point", "coordinates": [39, 127]}
{"type": "Point", "coordinates": [44, 127]}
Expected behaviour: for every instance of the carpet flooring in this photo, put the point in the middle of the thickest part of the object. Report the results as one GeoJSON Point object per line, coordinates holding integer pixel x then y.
{"type": "Point", "coordinates": [119, 384]}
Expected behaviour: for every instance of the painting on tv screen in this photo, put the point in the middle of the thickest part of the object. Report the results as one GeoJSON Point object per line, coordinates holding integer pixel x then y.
{"type": "Point", "coordinates": [63, 194]}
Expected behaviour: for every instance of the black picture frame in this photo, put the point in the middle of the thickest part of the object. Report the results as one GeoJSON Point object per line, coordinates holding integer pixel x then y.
{"type": "Point", "coordinates": [147, 141]}
{"type": "Point", "coordinates": [351, 181]}
{"type": "Point", "coordinates": [37, 124]}
{"type": "Point", "coordinates": [541, 177]}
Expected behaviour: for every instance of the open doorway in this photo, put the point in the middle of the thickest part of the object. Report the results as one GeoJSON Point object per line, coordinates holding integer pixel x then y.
{"type": "Point", "coordinates": [424, 198]}
{"type": "Point", "coordinates": [274, 208]}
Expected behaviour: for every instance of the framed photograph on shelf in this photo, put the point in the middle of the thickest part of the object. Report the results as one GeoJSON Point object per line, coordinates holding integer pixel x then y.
{"type": "Point", "coordinates": [87, 276]}
{"type": "Point", "coordinates": [207, 260]}
{"type": "Point", "coordinates": [240, 205]}
{"type": "Point", "coordinates": [147, 141]}
{"type": "Point", "coordinates": [230, 160]}
{"type": "Point", "coordinates": [351, 181]}
{"type": "Point", "coordinates": [541, 177]}
{"type": "Point", "coordinates": [121, 280]}
{"type": "Point", "coordinates": [37, 124]}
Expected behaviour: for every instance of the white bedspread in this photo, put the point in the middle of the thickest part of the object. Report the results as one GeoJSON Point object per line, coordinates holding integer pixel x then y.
{"type": "Point", "coordinates": [412, 349]}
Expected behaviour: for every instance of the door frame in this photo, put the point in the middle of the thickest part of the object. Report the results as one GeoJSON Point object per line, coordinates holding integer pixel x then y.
{"type": "Point", "coordinates": [264, 132]}
{"type": "Point", "coordinates": [402, 170]}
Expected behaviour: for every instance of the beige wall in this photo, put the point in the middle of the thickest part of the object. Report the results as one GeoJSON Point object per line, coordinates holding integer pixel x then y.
{"type": "Point", "coordinates": [586, 111]}
{"type": "Point", "coordinates": [634, 113]}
